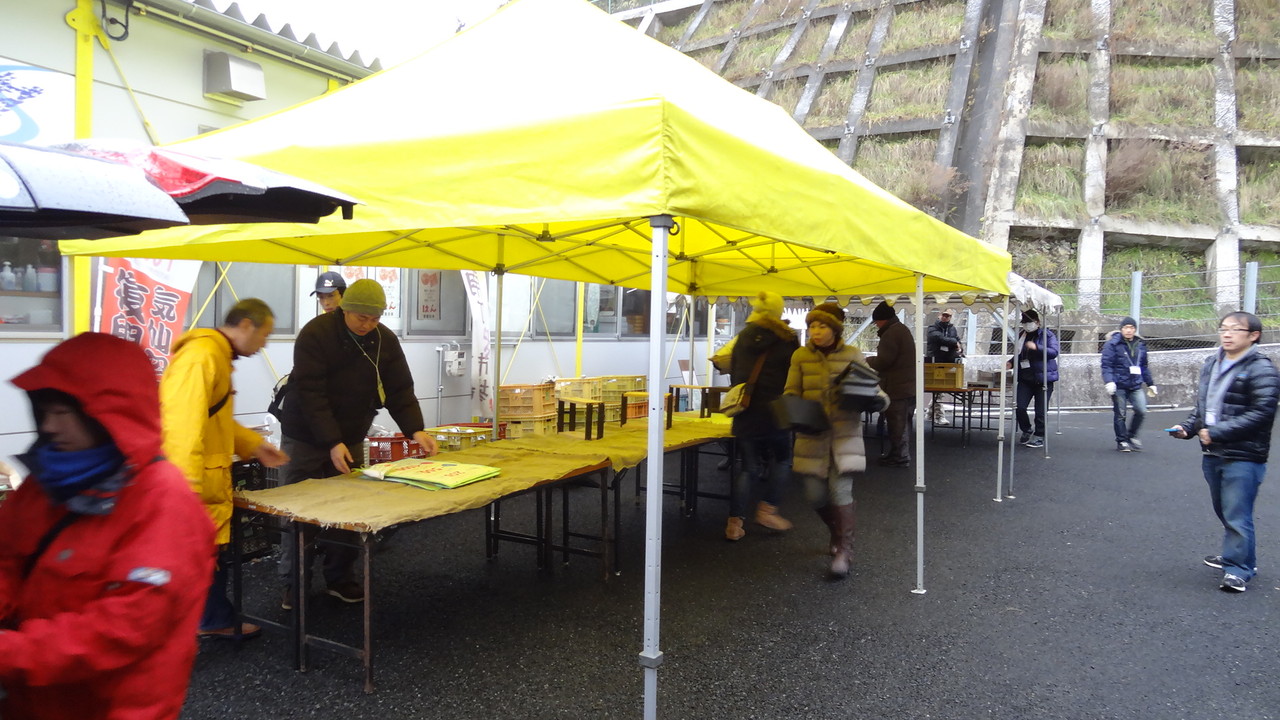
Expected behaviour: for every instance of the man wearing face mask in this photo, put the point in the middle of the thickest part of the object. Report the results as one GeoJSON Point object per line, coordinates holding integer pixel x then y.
{"type": "Point", "coordinates": [346, 366]}
{"type": "Point", "coordinates": [1037, 360]}
{"type": "Point", "coordinates": [105, 553]}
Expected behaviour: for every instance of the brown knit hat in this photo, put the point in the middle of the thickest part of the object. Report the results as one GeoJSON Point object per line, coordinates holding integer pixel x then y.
{"type": "Point", "coordinates": [829, 314]}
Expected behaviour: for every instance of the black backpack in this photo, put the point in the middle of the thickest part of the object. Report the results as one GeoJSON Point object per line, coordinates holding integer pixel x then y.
{"type": "Point", "coordinates": [278, 395]}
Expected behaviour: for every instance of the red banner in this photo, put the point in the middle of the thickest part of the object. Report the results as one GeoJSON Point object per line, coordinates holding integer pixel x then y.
{"type": "Point", "coordinates": [145, 301]}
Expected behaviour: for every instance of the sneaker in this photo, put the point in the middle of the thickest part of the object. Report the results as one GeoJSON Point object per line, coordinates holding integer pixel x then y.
{"type": "Point", "coordinates": [1035, 442]}
{"type": "Point", "coordinates": [1024, 438]}
{"type": "Point", "coordinates": [348, 591]}
{"type": "Point", "coordinates": [1124, 447]}
{"type": "Point", "coordinates": [1213, 561]}
{"type": "Point", "coordinates": [286, 598]}
{"type": "Point", "coordinates": [1136, 444]}
{"type": "Point", "coordinates": [1232, 583]}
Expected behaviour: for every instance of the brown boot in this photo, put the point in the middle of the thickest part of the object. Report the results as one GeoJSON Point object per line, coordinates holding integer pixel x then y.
{"type": "Point", "coordinates": [828, 515]}
{"type": "Point", "coordinates": [733, 529]}
{"type": "Point", "coordinates": [767, 515]}
{"type": "Point", "coordinates": [844, 556]}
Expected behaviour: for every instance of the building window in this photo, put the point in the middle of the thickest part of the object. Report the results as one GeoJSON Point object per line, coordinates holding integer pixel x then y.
{"type": "Point", "coordinates": [30, 285]}
{"type": "Point", "coordinates": [439, 302]}
{"type": "Point", "coordinates": [556, 309]}
{"type": "Point", "coordinates": [273, 284]}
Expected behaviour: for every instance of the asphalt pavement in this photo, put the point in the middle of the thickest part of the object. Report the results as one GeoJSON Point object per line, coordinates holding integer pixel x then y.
{"type": "Point", "coordinates": [1083, 596]}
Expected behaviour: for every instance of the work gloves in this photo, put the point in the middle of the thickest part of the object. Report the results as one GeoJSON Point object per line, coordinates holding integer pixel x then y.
{"type": "Point", "coordinates": [1111, 388]}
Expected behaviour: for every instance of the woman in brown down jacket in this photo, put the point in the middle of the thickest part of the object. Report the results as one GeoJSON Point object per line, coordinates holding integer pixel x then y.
{"type": "Point", "coordinates": [827, 461]}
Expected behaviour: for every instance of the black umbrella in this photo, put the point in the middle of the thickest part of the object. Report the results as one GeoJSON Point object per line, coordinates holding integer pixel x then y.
{"type": "Point", "coordinates": [216, 190]}
{"type": "Point", "coordinates": [51, 194]}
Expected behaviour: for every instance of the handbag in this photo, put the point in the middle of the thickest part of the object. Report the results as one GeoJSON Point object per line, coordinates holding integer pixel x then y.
{"type": "Point", "coordinates": [858, 389]}
{"type": "Point", "coordinates": [799, 414]}
{"type": "Point", "coordinates": [739, 396]}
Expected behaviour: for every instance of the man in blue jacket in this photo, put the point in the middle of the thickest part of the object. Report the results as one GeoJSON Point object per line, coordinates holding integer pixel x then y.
{"type": "Point", "coordinates": [1125, 371]}
{"type": "Point", "coordinates": [1235, 410]}
{"type": "Point", "coordinates": [1037, 360]}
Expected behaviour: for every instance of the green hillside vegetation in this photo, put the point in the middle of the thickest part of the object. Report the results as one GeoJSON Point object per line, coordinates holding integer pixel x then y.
{"type": "Point", "coordinates": [1061, 90]}
{"type": "Point", "coordinates": [1068, 20]}
{"type": "Point", "coordinates": [909, 91]}
{"type": "Point", "coordinates": [1166, 182]}
{"type": "Point", "coordinates": [924, 24]}
{"type": "Point", "coordinates": [1148, 92]}
{"type": "Point", "coordinates": [1258, 95]}
{"type": "Point", "coordinates": [1051, 184]}
{"type": "Point", "coordinates": [755, 54]}
{"type": "Point", "coordinates": [1165, 22]}
{"type": "Point", "coordinates": [1174, 283]}
{"type": "Point", "coordinates": [831, 107]}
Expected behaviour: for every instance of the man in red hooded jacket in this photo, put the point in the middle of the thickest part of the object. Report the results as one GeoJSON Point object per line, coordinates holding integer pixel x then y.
{"type": "Point", "coordinates": [105, 553]}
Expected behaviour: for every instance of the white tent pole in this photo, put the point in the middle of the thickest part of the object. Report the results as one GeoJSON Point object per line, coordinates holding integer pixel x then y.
{"type": "Point", "coordinates": [1044, 387]}
{"type": "Point", "coordinates": [650, 655]}
{"type": "Point", "coordinates": [711, 335]}
{"type": "Point", "coordinates": [577, 335]}
{"type": "Point", "coordinates": [497, 330]}
{"type": "Point", "coordinates": [1015, 351]}
{"type": "Point", "coordinates": [693, 348]}
{"type": "Point", "coordinates": [1058, 403]}
{"type": "Point", "coordinates": [1004, 390]}
{"type": "Point", "coordinates": [919, 422]}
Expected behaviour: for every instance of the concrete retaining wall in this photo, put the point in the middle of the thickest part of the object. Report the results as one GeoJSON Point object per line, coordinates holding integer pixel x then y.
{"type": "Point", "coordinates": [1176, 373]}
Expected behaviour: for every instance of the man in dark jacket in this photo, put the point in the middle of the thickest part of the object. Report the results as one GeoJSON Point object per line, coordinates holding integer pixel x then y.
{"type": "Point", "coordinates": [1037, 360]}
{"type": "Point", "coordinates": [346, 366]}
{"type": "Point", "coordinates": [765, 451]}
{"type": "Point", "coordinates": [943, 347]}
{"type": "Point", "coordinates": [895, 360]}
{"type": "Point", "coordinates": [1235, 410]}
{"type": "Point", "coordinates": [105, 553]}
{"type": "Point", "coordinates": [1125, 371]}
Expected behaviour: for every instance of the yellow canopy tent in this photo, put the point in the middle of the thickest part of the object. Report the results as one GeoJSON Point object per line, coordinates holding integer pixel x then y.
{"type": "Point", "coordinates": [551, 140]}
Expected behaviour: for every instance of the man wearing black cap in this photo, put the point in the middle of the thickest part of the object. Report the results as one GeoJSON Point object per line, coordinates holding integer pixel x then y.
{"type": "Point", "coordinates": [943, 347]}
{"type": "Point", "coordinates": [895, 360]}
{"type": "Point", "coordinates": [329, 289]}
{"type": "Point", "coordinates": [1124, 370]}
{"type": "Point", "coordinates": [1037, 360]}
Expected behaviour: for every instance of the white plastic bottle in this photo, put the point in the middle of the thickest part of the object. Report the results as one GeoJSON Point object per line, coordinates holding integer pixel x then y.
{"type": "Point", "coordinates": [30, 283]}
{"type": "Point", "coordinates": [8, 281]}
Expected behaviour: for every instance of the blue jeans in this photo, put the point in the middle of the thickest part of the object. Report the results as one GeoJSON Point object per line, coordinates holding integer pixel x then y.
{"type": "Point", "coordinates": [219, 613]}
{"type": "Point", "coordinates": [767, 459]}
{"type": "Point", "coordinates": [1137, 399]}
{"type": "Point", "coordinates": [1233, 487]}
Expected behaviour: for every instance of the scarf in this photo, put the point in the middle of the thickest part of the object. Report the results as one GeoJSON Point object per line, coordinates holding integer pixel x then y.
{"type": "Point", "coordinates": [86, 481]}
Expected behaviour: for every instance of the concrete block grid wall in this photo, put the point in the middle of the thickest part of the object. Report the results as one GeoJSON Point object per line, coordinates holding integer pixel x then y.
{"type": "Point", "coordinates": [981, 128]}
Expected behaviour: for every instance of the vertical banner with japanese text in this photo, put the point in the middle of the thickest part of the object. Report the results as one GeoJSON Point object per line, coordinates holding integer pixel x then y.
{"type": "Point", "coordinates": [481, 343]}
{"type": "Point", "coordinates": [145, 301]}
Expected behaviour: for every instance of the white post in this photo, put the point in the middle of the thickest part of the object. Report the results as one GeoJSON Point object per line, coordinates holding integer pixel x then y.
{"type": "Point", "coordinates": [650, 655]}
{"type": "Point", "coordinates": [1004, 391]}
{"type": "Point", "coordinates": [919, 422]}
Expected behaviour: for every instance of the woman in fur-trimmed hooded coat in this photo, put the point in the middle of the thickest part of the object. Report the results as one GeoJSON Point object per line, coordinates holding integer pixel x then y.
{"type": "Point", "coordinates": [828, 460]}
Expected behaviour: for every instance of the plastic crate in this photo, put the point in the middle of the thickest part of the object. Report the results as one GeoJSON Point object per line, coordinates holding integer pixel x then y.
{"type": "Point", "coordinates": [257, 539]}
{"type": "Point", "coordinates": [452, 437]}
{"type": "Point", "coordinates": [612, 387]}
{"type": "Point", "coordinates": [638, 404]}
{"type": "Point", "coordinates": [393, 447]}
{"type": "Point", "coordinates": [588, 388]}
{"type": "Point", "coordinates": [524, 427]}
{"type": "Point", "coordinates": [944, 375]}
{"type": "Point", "coordinates": [521, 401]}
{"type": "Point", "coordinates": [502, 427]}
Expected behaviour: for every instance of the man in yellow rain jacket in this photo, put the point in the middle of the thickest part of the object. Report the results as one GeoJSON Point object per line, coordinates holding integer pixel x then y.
{"type": "Point", "coordinates": [201, 434]}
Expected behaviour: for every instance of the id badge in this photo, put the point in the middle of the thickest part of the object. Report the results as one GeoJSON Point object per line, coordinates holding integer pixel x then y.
{"type": "Point", "coordinates": [1025, 364]}
{"type": "Point", "coordinates": [1135, 370]}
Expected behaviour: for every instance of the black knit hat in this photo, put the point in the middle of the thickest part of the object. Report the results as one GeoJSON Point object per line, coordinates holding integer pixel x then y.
{"type": "Point", "coordinates": [829, 314]}
{"type": "Point", "coordinates": [1030, 316]}
{"type": "Point", "coordinates": [883, 311]}
{"type": "Point", "coordinates": [1128, 321]}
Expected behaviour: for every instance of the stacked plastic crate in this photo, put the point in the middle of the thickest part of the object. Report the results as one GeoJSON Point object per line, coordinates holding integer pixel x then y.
{"type": "Point", "coordinates": [585, 388]}
{"type": "Point", "coordinates": [528, 409]}
{"type": "Point", "coordinates": [612, 388]}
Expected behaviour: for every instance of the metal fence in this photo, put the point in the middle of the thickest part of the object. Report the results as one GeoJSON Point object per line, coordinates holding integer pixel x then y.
{"type": "Point", "coordinates": [1175, 311]}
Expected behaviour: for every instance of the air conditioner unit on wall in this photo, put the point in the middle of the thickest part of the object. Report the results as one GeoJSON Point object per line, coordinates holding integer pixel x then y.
{"type": "Point", "coordinates": [232, 79]}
